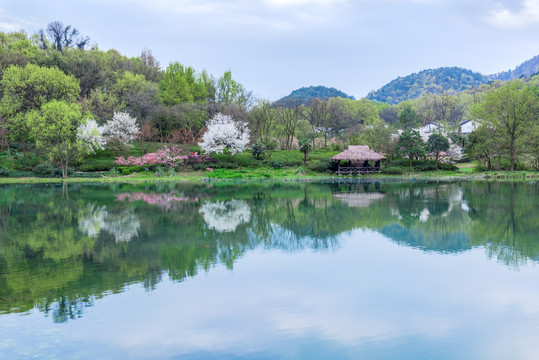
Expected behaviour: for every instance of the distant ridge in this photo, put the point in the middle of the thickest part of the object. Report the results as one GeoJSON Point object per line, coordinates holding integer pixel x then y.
{"type": "Point", "coordinates": [305, 95]}
{"type": "Point", "coordinates": [448, 80]}
{"type": "Point", "coordinates": [436, 81]}
{"type": "Point", "coordinates": [527, 68]}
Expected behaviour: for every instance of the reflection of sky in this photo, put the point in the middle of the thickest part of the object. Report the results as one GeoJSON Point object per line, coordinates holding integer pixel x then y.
{"type": "Point", "coordinates": [368, 299]}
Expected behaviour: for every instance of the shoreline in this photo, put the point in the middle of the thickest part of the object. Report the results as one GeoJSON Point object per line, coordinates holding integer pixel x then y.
{"type": "Point", "coordinates": [486, 176]}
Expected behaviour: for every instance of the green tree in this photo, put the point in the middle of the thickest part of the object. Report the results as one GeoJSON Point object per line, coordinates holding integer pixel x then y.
{"type": "Point", "coordinates": [305, 146]}
{"type": "Point", "coordinates": [228, 90]}
{"type": "Point", "coordinates": [480, 145]}
{"type": "Point", "coordinates": [379, 138]}
{"type": "Point", "coordinates": [510, 112]}
{"type": "Point", "coordinates": [54, 128]}
{"type": "Point", "coordinates": [258, 150]}
{"type": "Point", "coordinates": [436, 144]}
{"type": "Point", "coordinates": [28, 88]}
{"type": "Point", "coordinates": [181, 84]}
{"type": "Point", "coordinates": [410, 144]}
{"type": "Point", "coordinates": [409, 117]}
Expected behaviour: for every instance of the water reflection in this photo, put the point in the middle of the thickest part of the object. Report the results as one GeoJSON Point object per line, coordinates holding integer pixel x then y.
{"type": "Point", "coordinates": [225, 216]}
{"type": "Point", "coordinates": [60, 250]}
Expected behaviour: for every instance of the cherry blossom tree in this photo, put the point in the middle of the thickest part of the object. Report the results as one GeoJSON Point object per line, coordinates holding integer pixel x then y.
{"type": "Point", "coordinates": [121, 130]}
{"type": "Point", "coordinates": [225, 135]}
{"type": "Point", "coordinates": [91, 134]}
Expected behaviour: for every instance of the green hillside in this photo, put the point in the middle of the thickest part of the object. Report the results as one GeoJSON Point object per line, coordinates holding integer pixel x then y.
{"type": "Point", "coordinates": [436, 81]}
{"type": "Point", "coordinates": [305, 95]}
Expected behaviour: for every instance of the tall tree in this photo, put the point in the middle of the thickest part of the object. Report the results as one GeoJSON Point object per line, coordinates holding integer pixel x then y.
{"type": "Point", "coordinates": [410, 144]}
{"type": "Point", "coordinates": [229, 90]}
{"type": "Point", "coordinates": [287, 120]}
{"type": "Point", "coordinates": [27, 89]}
{"type": "Point", "coordinates": [436, 144]}
{"type": "Point", "coordinates": [55, 128]}
{"type": "Point", "coordinates": [510, 112]}
{"type": "Point", "coordinates": [409, 118]}
{"type": "Point", "coordinates": [63, 37]}
{"type": "Point", "coordinates": [181, 84]}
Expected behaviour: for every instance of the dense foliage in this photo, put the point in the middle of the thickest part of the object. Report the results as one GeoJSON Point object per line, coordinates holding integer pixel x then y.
{"type": "Point", "coordinates": [305, 95]}
{"type": "Point", "coordinates": [435, 81]}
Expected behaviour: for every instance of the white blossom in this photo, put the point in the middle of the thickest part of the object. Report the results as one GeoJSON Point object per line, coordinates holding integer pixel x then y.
{"type": "Point", "coordinates": [225, 216]}
{"type": "Point", "coordinates": [454, 152]}
{"type": "Point", "coordinates": [91, 134]}
{"type": "Point", "coordinates": [122, 129]}
{"type": "Point", "coordinates": [92, 220]}
{"type": "Point", "coordinates": [225, 135]}
{"type": "Point", "coordinates": [123, 225]}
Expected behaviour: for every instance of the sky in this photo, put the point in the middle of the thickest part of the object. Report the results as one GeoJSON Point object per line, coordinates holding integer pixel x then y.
{"type": "Point", "coordinates": [275, 46]}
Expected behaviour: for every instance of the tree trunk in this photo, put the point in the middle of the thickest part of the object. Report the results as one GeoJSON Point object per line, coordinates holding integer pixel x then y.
{"type": "Point", "coordinates": [305, 158]}
{"type": "Point", "coordinates": [512, 152]}
{"type": "Point", "coordinates": [436, 164]}
{"type": "Point", "coordinates": [411, 159]}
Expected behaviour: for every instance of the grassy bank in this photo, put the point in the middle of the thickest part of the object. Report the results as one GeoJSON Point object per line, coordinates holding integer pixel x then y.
{"type": "Point", "coordinates": [262, 174]}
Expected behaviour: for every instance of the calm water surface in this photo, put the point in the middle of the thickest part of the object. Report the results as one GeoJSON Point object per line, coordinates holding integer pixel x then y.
{"type": "Point", "coordinates": [266, 271]}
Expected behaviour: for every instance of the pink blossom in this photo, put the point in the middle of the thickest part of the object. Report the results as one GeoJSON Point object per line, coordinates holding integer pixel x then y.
{"type": "Point", "coordinates": [170, 201]}
{"type": "Point", "coordinates": [167, 156]}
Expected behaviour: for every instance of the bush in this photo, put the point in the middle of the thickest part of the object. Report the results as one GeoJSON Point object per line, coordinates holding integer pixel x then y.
{"type": "Point", "coordinates": [245, 160]}
{"type": "Point", "coordinates": [258, 150]}
{"type": "Point", "coordinates": [97, 165]}
{"type": "Point", "coordinates": [203, 166]}
{"type": "Point", "coordinates": [320, 166]}
{"type": "Point", "coordinates": [447, 167]}
{"type": "Point", "coordinates": [87, 175]}
{"type": "Point", "coordinates": [44, 170]}
{"type": "Point", "coordinates": [224, 165]}
{"type": "Point", "coordinates": [393, 170]}
{"type": "Point", "coordinates": [480, 168]}
{"type": "Point", "coordinates": [19, 174]}
{"type": "Point", "coordinates": [27, 163]}
{"type": "Point", "coordinates": [336, 146]}
{"type": "Point", "coordinates": [424, 165]}
{"type": "Point", "coordinates": [4, 172]}
{"type": "Point", "coordinates": [126, 170]}
{"type": "Point", "coordinates": [276, 164]}
{"type": "Point", "coordinates": [160, 172]}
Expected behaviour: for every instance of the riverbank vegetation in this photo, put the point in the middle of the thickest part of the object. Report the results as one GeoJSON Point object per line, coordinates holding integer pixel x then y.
{"type": "Point", "coordinates": [70, 109]}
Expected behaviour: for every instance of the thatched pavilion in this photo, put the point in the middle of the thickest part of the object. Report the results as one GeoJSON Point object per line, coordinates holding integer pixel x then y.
{"type": "Point", "coordinates": [358, 157]}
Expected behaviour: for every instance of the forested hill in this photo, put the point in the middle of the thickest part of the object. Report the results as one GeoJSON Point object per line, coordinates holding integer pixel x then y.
{"type": "Point", "coordinates": [436, 81]}
{"type": "Point", "coordinates": [527, 68]}
{"type": "Point", "coordinates": [305, 95]}
{"type": "Point", "coordinates": [447, 79]}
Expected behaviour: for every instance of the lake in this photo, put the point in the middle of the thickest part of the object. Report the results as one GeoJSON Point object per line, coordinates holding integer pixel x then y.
{"type": "Point", "coordinates": [365, 270]}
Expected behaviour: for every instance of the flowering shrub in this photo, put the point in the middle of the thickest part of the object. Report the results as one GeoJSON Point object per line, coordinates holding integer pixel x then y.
{"type": "Point", "coordinates": [91, 135]}
{"type": "Point", "coordinates": [225, 135]}
{"type": "Point", "coordinates": [167, 156]}
{"type": "Point", "coordinates": [122, 129]}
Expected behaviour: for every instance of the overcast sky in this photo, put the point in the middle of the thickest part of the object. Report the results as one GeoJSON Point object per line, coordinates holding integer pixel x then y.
{"type": "Point", "coordinates": [276, 46]}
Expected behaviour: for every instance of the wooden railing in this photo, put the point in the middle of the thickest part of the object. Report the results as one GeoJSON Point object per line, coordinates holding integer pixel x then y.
{"type": "Point", "coordinates": [350, 170]}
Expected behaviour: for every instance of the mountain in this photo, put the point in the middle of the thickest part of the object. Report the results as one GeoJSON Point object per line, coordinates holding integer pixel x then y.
{"type": "Point", "coordinates": [305, 95]}
{"type": "Point", "coordinates": [447, 79]}
{"type": "Point", "coordinates": [527, 68]}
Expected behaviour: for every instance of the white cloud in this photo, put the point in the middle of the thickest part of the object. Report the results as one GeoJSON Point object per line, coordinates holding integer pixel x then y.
{"type": "Point", "coordinates": [527, 15]}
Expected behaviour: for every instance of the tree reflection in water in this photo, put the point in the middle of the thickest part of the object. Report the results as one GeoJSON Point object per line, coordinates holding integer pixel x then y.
{"type": "Point", "coordinates": [60, 249]}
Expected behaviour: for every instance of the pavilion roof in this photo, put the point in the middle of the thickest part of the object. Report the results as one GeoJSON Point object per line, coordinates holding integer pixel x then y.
{"type": "Point", "coordinates": [358, 153]}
